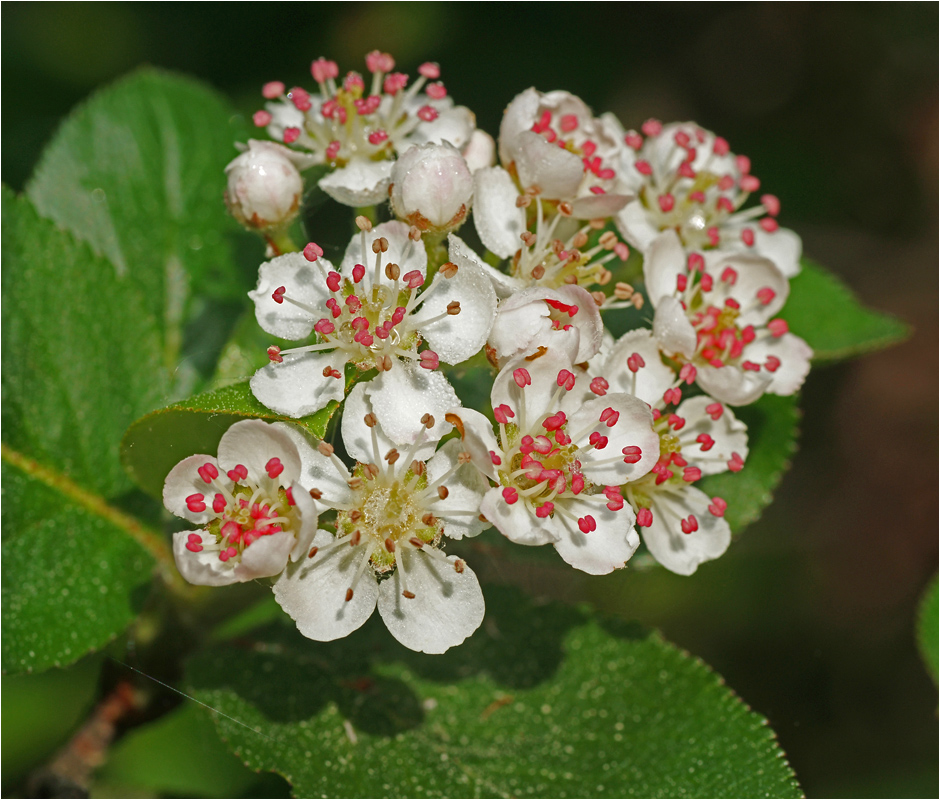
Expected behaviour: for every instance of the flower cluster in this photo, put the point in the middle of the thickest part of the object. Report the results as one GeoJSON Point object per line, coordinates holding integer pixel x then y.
{"type": "Point", "coordinates": [588, 443]}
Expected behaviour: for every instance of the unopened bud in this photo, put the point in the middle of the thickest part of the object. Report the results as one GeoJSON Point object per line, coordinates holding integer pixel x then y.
{"type": "Point", "coordinates": [432, 187]}
{"type": "Point", "coordinates": [264, 186]}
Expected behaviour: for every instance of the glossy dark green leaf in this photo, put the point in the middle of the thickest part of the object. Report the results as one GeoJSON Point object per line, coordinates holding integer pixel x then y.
{"type": "Point", "coordinates": [829, 317]}
{"type": "Point", "coordinates": [927, 628]}
{"type": "Point", "coordinates": [154, 444]}
{"type": "Point", "coordinates": [541, 701]}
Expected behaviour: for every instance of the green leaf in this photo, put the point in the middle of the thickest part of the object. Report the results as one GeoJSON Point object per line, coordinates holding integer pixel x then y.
{"type": "Point", "coordinates": [75, 571]}
{"type": "Point", "coordinates": [772, 430]}
{"type": "Point", "coordinates": [927, 628]}
{"type": "Point", "coordinates": [137, 171]}
{"type": "Point", "coordinates": [541, 701]}
{"type": "Point", "coordinates": [829, 317]}
{"type": "Point", "coordinates": [154, 444]}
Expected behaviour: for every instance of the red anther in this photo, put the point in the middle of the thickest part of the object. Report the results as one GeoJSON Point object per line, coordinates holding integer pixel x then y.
{"type": "Point", "coordinates": [707, 282]}
{"type": "Point", "coordinates": [743, 163]}
{"type": "Point", "coordinates": [543, 123]}
{"type": "Point", "coordinates": [588, 148]}
{"type": "Point", "coordinates": [289, 491]}
{"type": "Point", "coordinates": [748, 334]}
{"type": "Point", "coordinates": [599, 386]}
{"type": "Point", "coordinates": [772, 364]}
{"type": "Point", "coordinates": [291, 135]}
{"type": "Point", "coordinates": [429, 70]}
{"type": "Point", "coordinates": [208, 472]}
{"type": "Point", "coordinates": [750, 366]}
{"type": "Point", "coordinates": [633, 140]}
{"type": "Point", "coordinates": [272, 89]}
{"type": "Point", "coordinates": [358, 272]}
{"type": "Point", "coordinates": [195, 503]}
{"type": "Point", "coordinates": [565, 308]}
{"type": "Point", "coordinates": [688, 373]}
{"type": "Point", "coordinates": [682, 281]}
{"type": "Point", "coordinates": [334, 307]}
{"type": "Point", "coordinates": [736, 463]}
{"type": "Point", "coordinates": [398, 315]}
{"type": "Point", "coordinates": [673, 396]}
{"type": "Point", "coordinates": [682, 138]}
{"type": "Point", "coordinates": [324, 327]}
{"type": "Point", "coordinates": [678, 460]}
{"type": "Point", "coordinates": [689, 525]}
{"type": "Point", "coordinates": [562, 438]}
{"type": "Point", "coordinates": [522, 377]}
{"type": "Point", "coordinates": [261, 118]}
{"type": "Point", "coordinates": [587, 524]}
{"type": "Point", "coordinates": [729, 275]}
{"type": "Point", "coordinates": [565, 378]}
{"type": "Point", "coordinates": [721, 146]}
{"type": "Point", "coordinates": [377, 61]}
{"type": "Point", "coordinates": [666, 203]}
{"type": "Point", "coordinates": [769, 224]}
{"type": "Point", "coordinates": [606, 174]}
{"type": "Point", "coordinates": [274, 467]}
{"type": "Point", "coordinates": [194, 547]}
{"type": "Point", "coordinates": [394, 82]}
{"type": "Point", "coordinates": [367, 105]}
{"type": "Point", "coordinates": [778, 327]}
{"type": "Point", "coordinates": [686, 171]}
{"type": "Point", "coordinates": [239, 473]}
{"type": "Point", "coordinates": [331, 372]}
{"type": "Point", "coordinates": [495, 459]}
{"type": "Point", "coordinates": [231, 531]}
{"type": "Point", "coordinates": [771, 204]}
{"type": "Point", "coordinates": [766, 295]}
{"type": "Point", "coordinates": [609, 416]}
{"type": "Point", "coordinates": [427, 113]}
{"type": "Point", "coordinates": [413, 279]}
{"type": "Point", "coordinates": [526, 445]}
{"type": "Point", "coordinates": [313, 251]}
{"type": "Point", "coordinates": [632, 454]}
{"type": "Point", "coordinates": [732, 303]}
{"type": "Point", "coordinates": [322, 70]}
{"type": "Point", "coordinates": [377, 137]}
{"type": "Point", "coordinates": [278, 295]}
{"type": "Point", "coordinates": [697, 197]}
{"type": "Point", "coordinates": [353, 303]}
{"type": "Point", "coordinates": [329, 109]}
{"type": "Point", "coordinates": [436, 91]}
{"type": "Point", "coordinates": [503, 413]}
{"type": "Point", "coordinates": [705, 441]}
{"type": "Point", "coordinates": [300, 98]}
{"type": "Point", "coordinates": [714, 236]}
{"type": "Point", "coordinates": [332, 150]}
{"type": "Point", "coordinates": [635, 362]}
{"type": "Point", "coordinates": [364, 338]}
{"type": "Point", "coordinates": [544, 510]}
{"type": "Point", "coordinates": [577, 483]}
{"type": "Point", "coordinates": [749, 183]}
{"type": "Point", "coordinates": [542, 444]}
{"type": "Point", "coordinates": [724, 204]}
{"type": "Point", "coordinates": [691, 474]}
{"type": "Point", "coordinates": [643, 167]}
{"type": "Point", "coordinates": [718, 507]}
{"type": "Point", "coordinates": [569, 122]}
{"type": "Point", "coordinates": [274, 354]}
{"type": "Point", "coordinates": [696, 263]}
{"type": "Point", "coordinates": [429, 360]}
{"type": "Point", "coordinates": [353, 82]}
{"type": "Point", "coordinates": [675, 422]}
{"type": "Point", "coordinates": [599, 442]}
{"type": "Point", "coordinates": [644, 517]}
{"type": "Point", "coordinates": [652, 127]}
{"type": "Point", "coordinates": [194, 537]}
{"type": "Point", "coordinates": [218, 503]}
{"type": "Point", "coordinates": [554, 422]}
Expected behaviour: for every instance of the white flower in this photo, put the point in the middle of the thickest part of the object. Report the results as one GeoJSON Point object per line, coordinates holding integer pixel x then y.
{"type": "Point", "coordinates": [480, 151]}
{"type": "Point", "coordinates": [558, 461]}
{"type": "Point", "coordinates": [393, 510]}
{"type": "Point", "coordinates": [264, 186]}
{"type": "Point", "coordinates": [687, 179]}
{"type": "Point", "coordinates": [252, 512]}
{"type": "Point", "coordinates": [717, 312]}
{"type": "Point", "coordinates": [375, 312]}
{"type": "Point", "coordinates": [432, 188]}
{"type": "Point", "coordinates": [358, 129]}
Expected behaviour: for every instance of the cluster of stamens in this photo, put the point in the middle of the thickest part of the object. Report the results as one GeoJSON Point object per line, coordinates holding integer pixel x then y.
{"type": "Point", "coordinates": [540, 464]}
{"type": "Point", "coordinates": [368, 320]}
{"type": "Point", "coordinates": [702, 205]}
{"type": "Point", "coordinates": [346, 121]}
{"type": "Point", "coordinates": [391, 509]}
{"type": "Point", "coordinates": [244, 512]}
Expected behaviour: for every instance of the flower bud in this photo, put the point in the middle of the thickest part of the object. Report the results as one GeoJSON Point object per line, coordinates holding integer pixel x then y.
{"type": "Point", "coordinates": [264, 186]}
{"type": "Point", "coordinates": [432, 187]}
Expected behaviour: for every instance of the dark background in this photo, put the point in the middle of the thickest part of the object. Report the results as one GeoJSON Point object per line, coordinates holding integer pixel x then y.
{"type": "Point", "coordinates": [810, 614]}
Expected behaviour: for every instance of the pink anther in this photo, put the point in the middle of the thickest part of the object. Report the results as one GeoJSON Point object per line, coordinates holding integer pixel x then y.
{"type": "Point", "coordinates": [691, 474]}
{"type": "Point", "coordinates": [398, 315]}
{"type": "Point", "coordinates": [291, 135]}
{"type": "Point", "coordinates": [353, 303]}
{"type": "Point", "coordinates": [358, 273]}
{"type": "Point", "coordinates": [736, 463]}
{"type": "Point", "coordinates": [272, 90]}
{"type": "Point", "coordinates": [565, 378]}
{"type": "Point", "coordinates": [261, 118]}
{"type": "Point", "coordinates": [652, 127]}
{"type": "Point", "coordinates": [675, 422]}
{"type": "Point", "coordinates": [332, 150]}
{"type": "Point", "coordinates": [195, 503]}
{"type": "Point", "coordinates": [682, 281]}
{"type": "Point", "coordinates": [208, 472]}
{"type": "Point", "coordinates": [705, 441]}
{"type": "Point", "coordinates": [436, 91]}
{"type": "Point", "coordinates": [688, 373]}
{"type": "Point", "coordinates": [729, 275]}
{"type": "Point", "coordinates": [278, 294]}
{"type": "Point", "coordinates": [323, 70]}
{"type": "Point", "coordinates": [377, 137]}
{"type": "Point", "coordinates": [771, 204]}
{"type": "Point", "coordinates": [599, 386]}
{"type": "Point", "coordinates": [644, 517]}
{"type": "Point", "coordinates": [510, 495]}
{"type": "Point", "coordinates": [633, 140]}
{"type": "Point", "coordinates": [544, 510]}
{"type": "Point", "coordinates": [427, 113]}
{"type": "Point", "coordinates": [610, 417]}
{"type": "Point", "coordinates": [720, 147]}
{"type": "Point", "coordinates": [689, 525]}
{"type": "Point", "coordinates": [778, 327]}
{"type": "Point", "coordinates": [643, 167]}
{"type": "Point", "coordinates": [334, 280]}
{"type": "Point", "coordinates": [429, 70]}
{"type": "Point", "coordinates": [522, 377]}
{"type": "Point", "coordinates": [300, 98]}
{"type": "Point", "coordinates": [747, 236]}
{"type": "Point", "coordinates": [274, 467]}
{"type": "Point", "coordinates": [622, 251]}
{"type": "Point", "coordinates": [413, 279]}
{"type": "Point", "coordinates": [769, 224]}
{"type": "Point", "coordinates": [239, 473]}
{"type": "Point", "coordinates": [666, 202]}
{"type": "Point", "coordinates": [599, 442]}
{"type": "Point", "coordinates": [766, 295]}
{"type": "Point", "coordinates": [672, 396]}
{"type": "Point", "coordinates": [772, 364]}
{"type": "Point", "coordinates": [394, 82]}
{"type": "Point", "coordinates": [587, 524]}
{"type": "Point", "coordinates": [743, 164]}
{"type": "Point", "coordinates": [577, 483]}
{"type": "Point", "coordinates": [718, 507]}
{"type": "Point", "coordinates": [313, 251]}
{"type": "Point", "coordinates": [429, 360]}
{"type": "Point", "coordinates": [555, 421]}
{"type": "Point", "coordinates": [503, 413]}
{"type": "Point", "coordinates": [324, 327]}
{"type": "Point", "coordinates": [635, 362]}
{"type": "Point", "coordinates": [749, 183]}
{"type": "Point", "coordinates": [379, 62]}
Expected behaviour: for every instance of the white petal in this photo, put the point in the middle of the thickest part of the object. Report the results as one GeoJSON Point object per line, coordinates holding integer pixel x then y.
{"type": "Point", "coordinates": [408, 254]}
{"type": "Point", "coordinates": [453, 125]}
{"type": "Point", "coordinates": [672, 329]}
{"type": "Point", "coordinates": [517, 522]}
{"type": "Point", "coordinates": [783, 247]}
{"type": "Point", "coordinates": [754, 274]}
{"type": "Point", "coordinates": [253, 442]}
{"type": "Point", "coordinates": [297, 387]}
{"type": "Point", "coordinates": [498, 220]}
{"type": "Point", "coordinates": [313, 591]}
{"type": "Point", "coordinates": [480, 151]}
{"type": "Point", "coordinates": [403, 395]}
{"type": "Point", "coordinates": [503, 284]}
{"type": "Point", "coordinates": [478, 439]}
{"type": "Point", "coordinates": [357, 436]}
{"type": "Point", "coordinates": [183, 481]}
{"type": "Point", "coordinates": [304, 284]}
{"type": "Point", "coordinates": [203, 568]}
{"type": "Point", "coordinates": [359, 183]}
{"type": "Point", "coordinates": [682, 552]}
{"type": "Point", "coordinates": [540, 164]}
{"type": "Point", "coordinates": [532, 403]}
{"type": "Point", "coordinates": [794, 355]}
{"type": "Point", "coordinates": [651, 380]}
{"type": "Point", "coordinates": [518, 116]}
{"type": "Point", "coordinates": [456, 338]}
{"type": "Point", "coordinates": [733, 385]}
{"type": "Point", "coordinates": [306, 510]}
{"type": "Point", "coordinates": [634, 224]}
{"type": "Point", "coordinates": [604, 549]}
{"type": "Point", "coordinates": [663, 262]}
{"type": "Point", "coordinates": [728, 432]}
{"type": "Point", "coordinates": [599, 206]}
{"type": "Point", "coordinates": [465, 490]}
{"type": "Point", "coordinates": [265, 557]}
{"type": "Point", "coordinates": [447, 606]}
